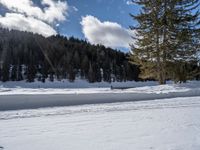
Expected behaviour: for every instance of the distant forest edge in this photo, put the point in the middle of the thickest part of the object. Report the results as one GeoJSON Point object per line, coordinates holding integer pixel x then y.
{"type": "Point", "coordinates": [30, 57]}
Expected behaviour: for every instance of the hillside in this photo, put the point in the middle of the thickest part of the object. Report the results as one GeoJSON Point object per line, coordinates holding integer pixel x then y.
{"type": "Point", "coordinates": [30, 57]}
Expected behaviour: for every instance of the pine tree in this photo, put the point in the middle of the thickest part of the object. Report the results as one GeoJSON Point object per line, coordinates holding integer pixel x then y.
{"type": "Point", "coordinates": [0, 72]}
{"type": "Point", "coordinates": [148, 53]}
{"type": "Point", "coordinates": [187, 43]}
{"type": "Point", "coordinates": [51, 77]}
{"type": "Point", "coordinates": [98, 77]}
{"type": "Point", "coordinates": [71, 73]}
{"type": "Point", "coordinates": [84, 67]}
{"type": "Point", "coordinates": [19, 73]}
{"type": "Point", "coordinates": [14, 73]}
{"type": "Point", "coordinates": [91, 74]}
{"type": "Point", "coordinates": [31, 73]}
{"type": "Point", "coordinates": [5, 63]}
{"type": "Point", "coordinates": [166, 33]}
{"type": "Point", "coordinates": [76, 59]}
{"type": "Point", "coordinates": [5, 71]}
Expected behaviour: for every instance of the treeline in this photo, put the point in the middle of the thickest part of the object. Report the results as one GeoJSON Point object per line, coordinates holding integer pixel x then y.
{"type": "Point", "coordinates": [30, 57]}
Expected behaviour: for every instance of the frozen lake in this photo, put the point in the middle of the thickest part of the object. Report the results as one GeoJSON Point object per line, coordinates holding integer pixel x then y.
{"type": "Point", "coordinates": [167, 124]}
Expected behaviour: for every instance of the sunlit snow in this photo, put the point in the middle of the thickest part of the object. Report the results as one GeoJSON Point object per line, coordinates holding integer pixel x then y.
{"type": "Point", "coordinates": [167, 124]}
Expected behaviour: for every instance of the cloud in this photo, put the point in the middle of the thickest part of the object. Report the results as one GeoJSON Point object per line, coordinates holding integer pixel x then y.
{"type": "Point", "coordinates": [129, 2]}
{"type": "Point", "coordinates": [36, 19]}
{"type": "Point", "coordinates": [107, 33]}
{"type": "Point", "coordinates": [75, 8]}
{"type": "Point", "coordinates": [22, 23]}
{"type": "Point", "coordinates": [52, 11]}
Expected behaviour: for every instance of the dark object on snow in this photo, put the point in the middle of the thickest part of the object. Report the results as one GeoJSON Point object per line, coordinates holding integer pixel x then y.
{"type": "Point", "coordinates": [120, 88]}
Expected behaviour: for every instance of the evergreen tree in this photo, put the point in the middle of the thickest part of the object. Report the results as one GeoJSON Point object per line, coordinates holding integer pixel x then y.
{"type": "Point", "coordinates": [84, 67]}
{"type": "Point", "coordinates": [186, 29]}
{"type": "Point", "coordinates": [14, 73]}
{"type": "Point", "coordinates": [71, 73]}
{"type": "Point", "coordinates": [98, 77]}
{"type": "Point", "coordinates": [91, 74]}
{"type": "Point", "coordinates": [19, 73]}
{"type": "Point", "coordinates": [148, 53]}
{"type": "Point", "coordinates": [5, 63]}
{"type": "Point", "coordinates": [76, 59]}
{"type": "Point", "coordinates": [5, 71]}
{"type": "Point", "coordinates": [167, 32]}
{"type": "Point", "coordinates": [31, 73]}
{"type": "Point", "coordinates": [0, 72]}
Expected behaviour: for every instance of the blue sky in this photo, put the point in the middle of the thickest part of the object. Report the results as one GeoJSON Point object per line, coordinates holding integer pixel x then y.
{"type": "Point", "coordinates": [105, 10]}
{"type": "Point", "coordinates": [103, 22]}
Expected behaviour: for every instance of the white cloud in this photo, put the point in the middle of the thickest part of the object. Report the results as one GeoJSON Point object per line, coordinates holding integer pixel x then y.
{"type": "Point", "coordinates": [75, 8]}
{"type": "Point", "coordinates": [35, 19]}
{"type": "Point", "coordinates": [22, 23]}
{"type": "Point", "coordinates": [55, 11]}
{"type": "Point", "coordinates": [52, 11]}
{"type": "Point", "coordinates": [129, 2]}
{"type": "Point", "coordinates": [107, 33]}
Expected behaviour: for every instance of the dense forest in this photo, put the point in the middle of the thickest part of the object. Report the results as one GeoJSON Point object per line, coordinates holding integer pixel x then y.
{"type": "Point", "coordinates": [30, 57]}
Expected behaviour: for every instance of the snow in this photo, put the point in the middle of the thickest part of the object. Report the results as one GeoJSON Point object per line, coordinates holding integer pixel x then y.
{"type": "Point", "coordinates": [13, 96]}
{"type": "Point", "coordinates": [78, 83]}
{"type": "Point", "coordinates": [83, 87]}
{"type": "Point", "coordinates": [167, 124]}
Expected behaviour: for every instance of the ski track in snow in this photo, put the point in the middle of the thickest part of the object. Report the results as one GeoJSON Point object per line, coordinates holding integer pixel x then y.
{"type": "Point", "coordinates": [166, 124]}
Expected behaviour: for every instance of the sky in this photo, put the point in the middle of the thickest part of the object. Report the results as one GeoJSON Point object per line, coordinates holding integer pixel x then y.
{"type": "Point", "coordinates": [103, 22]}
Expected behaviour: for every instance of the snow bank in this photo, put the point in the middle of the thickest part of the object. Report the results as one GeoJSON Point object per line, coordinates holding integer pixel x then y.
{"type": "Point", "coordinates": [24, 98]}
{"type": "Point", "coordinates": [78, 83]}
{"type": "Point", "coordinates": [83, 87]}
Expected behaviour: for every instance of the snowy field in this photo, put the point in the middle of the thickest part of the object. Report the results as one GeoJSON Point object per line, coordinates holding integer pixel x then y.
{"type": "Point", "coordinates": [36, 88]}
{"type": "Point", "coordinates": [21, 95]}
{"type": "Point", "coordinates": [167, 124]}
{"type": "Point", "coordinates": [83, 87]}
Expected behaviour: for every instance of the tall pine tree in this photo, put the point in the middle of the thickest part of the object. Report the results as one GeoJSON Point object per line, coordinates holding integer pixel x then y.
{"type": "Point", "coordinates": [167, 34]}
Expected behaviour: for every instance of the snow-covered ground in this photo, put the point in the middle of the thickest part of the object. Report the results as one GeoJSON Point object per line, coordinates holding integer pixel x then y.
{"type": "Point", "coordinates": [78, 83]}
{"type": "Point", "coordinates": [167, 124]}
{"type": "Point", "coordinates": [21, 95]}
{"type": "Point", "coordinates": [22, 88]}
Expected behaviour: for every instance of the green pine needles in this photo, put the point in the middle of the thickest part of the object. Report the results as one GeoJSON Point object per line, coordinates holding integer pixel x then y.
{"type": "Point", "coordinates": [167, 39]}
